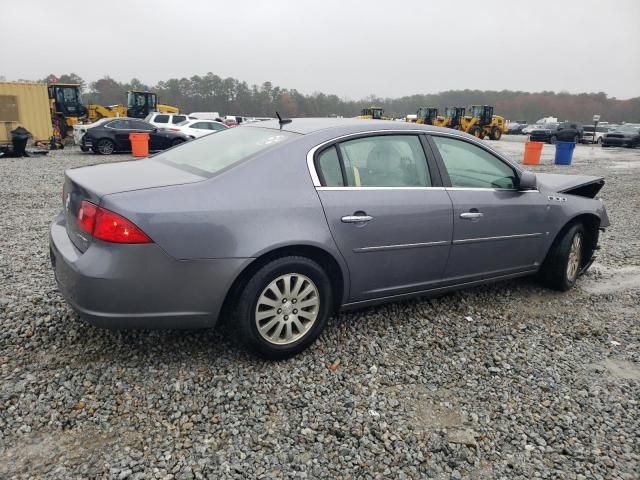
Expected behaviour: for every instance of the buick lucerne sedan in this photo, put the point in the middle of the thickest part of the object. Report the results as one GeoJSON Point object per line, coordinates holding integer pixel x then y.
{"type": "Point", "coordinates": [275, 226]}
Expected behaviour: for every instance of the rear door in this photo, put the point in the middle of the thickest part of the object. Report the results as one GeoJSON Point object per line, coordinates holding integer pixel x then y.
{"type": "Point", "coordinates": [498, 229]}
{"type": "Point", "coordinates": [387, 211]}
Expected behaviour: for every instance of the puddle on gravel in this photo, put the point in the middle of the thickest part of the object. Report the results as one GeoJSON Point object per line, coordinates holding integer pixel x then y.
{"type": "Point", "coordinates": [618, 165]}
{"type": "Point", "coordinates": [622, 369]}
{"type": "Point", "coordinates": [611, 280]}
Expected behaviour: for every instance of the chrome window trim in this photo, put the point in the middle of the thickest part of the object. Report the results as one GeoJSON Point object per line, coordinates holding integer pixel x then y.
{"type": "Point", "coordinates": [464, 136]}
{"type": "Point", "coordinates": [400, 246]}
{"type": "Point", "coordinates": [325, 189]}
{"type": "Point", "coordinates": [482, 189]}
{"type": "Point", "coordinates": [491, 239]}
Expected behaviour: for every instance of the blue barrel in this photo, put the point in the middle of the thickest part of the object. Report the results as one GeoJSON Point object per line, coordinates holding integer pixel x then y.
{"type": "Point", "coordinates": [564, 152]}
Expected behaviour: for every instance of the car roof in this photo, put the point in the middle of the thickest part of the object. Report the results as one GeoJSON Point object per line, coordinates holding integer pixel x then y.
{"type": "Point", "coordinates": [306, 126]}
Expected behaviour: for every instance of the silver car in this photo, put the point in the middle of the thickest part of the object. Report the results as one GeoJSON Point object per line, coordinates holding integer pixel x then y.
{"type": "Point", "coordinates": [276, 225]}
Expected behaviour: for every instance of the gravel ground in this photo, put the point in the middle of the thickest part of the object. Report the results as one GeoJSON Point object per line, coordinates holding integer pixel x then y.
{"type": "Point", "coordinates": [497, 382]}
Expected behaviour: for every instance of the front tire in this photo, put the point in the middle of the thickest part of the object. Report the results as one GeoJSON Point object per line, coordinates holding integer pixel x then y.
{"type": "Point", "coordinates": [553, 140]}
{"type": "Point", "coordinates": [105, 147]}
{"type": "Point", "coordinates": [176, 142]}
{"type": "Point", "coordinates": [476, 132]}
{"type": "Point", "coordinates": [565, 259]}
{"type": "Point", "coordinates": [283, 307]}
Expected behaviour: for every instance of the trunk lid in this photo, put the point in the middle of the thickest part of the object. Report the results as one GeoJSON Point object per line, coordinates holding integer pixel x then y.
{"type": "Point", "coordinates": [582, 185]}
{"type": "Point", "coordinates": [94, 182]}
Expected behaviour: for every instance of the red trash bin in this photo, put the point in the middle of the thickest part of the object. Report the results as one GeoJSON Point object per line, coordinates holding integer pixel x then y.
{"type": "Point", "coordinates": [532, 151]}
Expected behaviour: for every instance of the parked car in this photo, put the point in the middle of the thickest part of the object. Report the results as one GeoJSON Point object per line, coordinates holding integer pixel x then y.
{"type": "Point", "coordinates": [557, 132]}
{"type": "Point", "coordinates": [113, 136]}
{"type": "Point", "coordinates": [198, 128]}
{"type": "Point", "coordinates": [530, 128]}
{"type": "Point", "coordinates": [215, 116]}
{"type": "Point", "coordinates": [277, 225]}
{"type": "Point", "coordinates": [590, 137]}
{"type": "Point", "coordinates": [166, 119]}
{"type": "Point", "coordinates": [627, 135]}
{"type": "Point", "coordinates": [515, 128]}
{"type": "Point", "coordinates": [81, 128]}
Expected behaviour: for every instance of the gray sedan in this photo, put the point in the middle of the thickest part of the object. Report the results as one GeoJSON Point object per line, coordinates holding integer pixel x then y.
{"type": "Point", "coordinates": [277, 225]}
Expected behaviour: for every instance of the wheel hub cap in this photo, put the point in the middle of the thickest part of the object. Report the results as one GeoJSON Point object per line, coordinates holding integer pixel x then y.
{"type": "Point", "coordinates": [575, 255]}
{"type": "Point", "coordinates": [287, 309]}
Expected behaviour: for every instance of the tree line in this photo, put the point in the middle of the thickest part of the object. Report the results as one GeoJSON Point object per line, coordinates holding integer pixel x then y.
{"type": "Point", "coordinates": [231, 96]}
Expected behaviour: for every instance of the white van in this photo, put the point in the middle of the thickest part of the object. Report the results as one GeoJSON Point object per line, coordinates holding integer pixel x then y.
{"type": "Point", "coordinates": [205, 115]}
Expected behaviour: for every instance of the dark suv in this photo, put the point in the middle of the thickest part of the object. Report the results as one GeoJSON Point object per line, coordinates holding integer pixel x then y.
{"type": "Point", "coordinates": [557, 132]}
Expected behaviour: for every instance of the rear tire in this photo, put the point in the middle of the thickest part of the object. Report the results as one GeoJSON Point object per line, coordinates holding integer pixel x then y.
{"type": "Point", "coordinates": [496, 133]}
{"type": "Point", "coordinates": [176, 142]}
{"type": "Point", "coordinates": [565, 259]}
{"type": "Point", "coordinates": [283, 307]}
{"type": "Point", "coordinates": [104, 146]}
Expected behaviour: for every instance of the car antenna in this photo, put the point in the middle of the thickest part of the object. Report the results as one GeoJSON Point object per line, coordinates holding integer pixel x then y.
{"type": "Point", "coordinates": [282, 121]}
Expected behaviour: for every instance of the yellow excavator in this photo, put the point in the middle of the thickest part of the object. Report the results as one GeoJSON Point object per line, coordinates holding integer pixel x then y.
{"type": "Point", "coordinates": [373, 113]}
{"type": "Point", "coordinates": [483, 123]}
{"type": "Point", "coordinates": [426, 115]}
{"type": "Point", "coordinates": [451, 117]}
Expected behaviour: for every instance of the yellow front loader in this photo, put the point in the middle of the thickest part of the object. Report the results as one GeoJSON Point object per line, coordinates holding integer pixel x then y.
{"type": "Point", "coordinates": [373, 113]}
{"type": "Point", "coordinates": [451, 117]}
{"type": "Point", "coordinates": [483, 123]}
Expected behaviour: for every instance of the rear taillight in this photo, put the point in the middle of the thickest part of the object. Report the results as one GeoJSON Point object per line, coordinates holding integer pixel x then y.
{"type": "Point", "coordinates": [105, 225]}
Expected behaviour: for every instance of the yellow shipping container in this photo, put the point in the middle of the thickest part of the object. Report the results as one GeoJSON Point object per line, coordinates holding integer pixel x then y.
{"type": "Point", "coordinates": [25, 105]}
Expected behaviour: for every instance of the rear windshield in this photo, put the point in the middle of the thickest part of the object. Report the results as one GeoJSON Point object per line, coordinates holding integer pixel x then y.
{"type": "Point", "coordinates": [211, 154]}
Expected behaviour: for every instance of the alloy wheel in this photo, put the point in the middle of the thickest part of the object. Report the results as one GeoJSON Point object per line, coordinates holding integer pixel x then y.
{"type": "Point", "coordinates": [575, 256]}
{"type": "Point", "coordinates": [105, 147]}
{"type": "Point", "coordinates": [287, 309]}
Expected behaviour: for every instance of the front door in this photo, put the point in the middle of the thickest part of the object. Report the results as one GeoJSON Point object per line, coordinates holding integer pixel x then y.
{"type": "Point", "coordinates": [498, 229]}
{"type": "Point", "coordinates": [391, 221]}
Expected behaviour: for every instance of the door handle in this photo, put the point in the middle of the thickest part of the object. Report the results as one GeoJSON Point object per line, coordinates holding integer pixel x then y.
{"type": "Point", "coordinates": [471, 215]}
{"type": "Point", "coordinates": [356, 218]}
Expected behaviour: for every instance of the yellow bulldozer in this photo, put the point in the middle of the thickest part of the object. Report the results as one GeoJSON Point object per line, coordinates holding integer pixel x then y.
{"type": "Point", "coordinates": [451, 117]}
{"type": "Point", "coordinates": [373, 113]}
{"type": "Point", "coordinates": [426, 115]}
{"type": "Point", "coordinates": [483, 123]}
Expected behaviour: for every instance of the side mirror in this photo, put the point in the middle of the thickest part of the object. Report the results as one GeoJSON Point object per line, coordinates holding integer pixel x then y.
{"type": "Point", "coordinates": [527, 181]}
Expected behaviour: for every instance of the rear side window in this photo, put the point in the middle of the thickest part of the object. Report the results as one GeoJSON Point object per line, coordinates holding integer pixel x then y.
{"type": "Point", "coordinates": [385, 161]}
{"type": "Point", "coordinates": [178, 119]}
{"type": "Point", "coordinates": [213, 153]}
{"type": "Point", "coordinates": [470, 166]}
{"type": "Point", "coordinates": [140, 125]}
{"type": "Point", "coordinates": [329, 168]}
{"type": "Point", "coordinates": [161, 119]}
{"type": "Point", "coordinates": [116, 124]}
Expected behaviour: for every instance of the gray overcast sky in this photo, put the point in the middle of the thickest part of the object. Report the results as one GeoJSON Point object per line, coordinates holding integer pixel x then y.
{"type": "Point", "coordinates": [351, 48]}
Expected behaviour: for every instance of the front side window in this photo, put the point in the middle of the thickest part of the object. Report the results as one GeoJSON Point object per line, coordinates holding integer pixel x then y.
{"type": "Point", "coordinates": [178, 119]}
{"type": "Point", "coordinates": [385, 161]}
{"type": "Point", "coordinates": [216, 126]}
{"type": "Point", "coordinates": [200, 126]}
{"type": "Point", "coordinates": [211, 154]}
{"type": "Point", "coordinates": [161, 119]}
{"type": "Point", "coordinates": [470, 166]}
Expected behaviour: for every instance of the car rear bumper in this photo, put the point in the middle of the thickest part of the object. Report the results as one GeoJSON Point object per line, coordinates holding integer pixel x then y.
{"type": "Point", "coordinates": [139, 286]}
